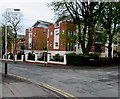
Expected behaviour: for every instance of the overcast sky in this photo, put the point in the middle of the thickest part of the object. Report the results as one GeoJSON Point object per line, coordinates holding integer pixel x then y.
{"type": "Point", "coordinates": [32, 10]}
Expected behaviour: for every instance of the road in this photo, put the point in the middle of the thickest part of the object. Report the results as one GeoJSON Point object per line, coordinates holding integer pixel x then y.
{"type": "Point", "coordinates": [99, 82]}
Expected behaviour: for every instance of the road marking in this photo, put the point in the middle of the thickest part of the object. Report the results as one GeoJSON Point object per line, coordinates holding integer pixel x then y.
{"type": "Point", "coordinates": [63, 93]}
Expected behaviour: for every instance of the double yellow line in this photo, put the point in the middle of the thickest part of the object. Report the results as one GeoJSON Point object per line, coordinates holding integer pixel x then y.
{"type": "Point", "coordinates": [58, 91]}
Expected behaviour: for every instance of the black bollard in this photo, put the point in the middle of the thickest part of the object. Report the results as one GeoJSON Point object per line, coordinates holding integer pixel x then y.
{"type": "Point", "coordinates": [5, 69]}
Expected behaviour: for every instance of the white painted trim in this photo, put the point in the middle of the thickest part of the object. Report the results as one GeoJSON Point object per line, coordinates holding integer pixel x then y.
{"type": "Point", "coordinates": [56, 38]}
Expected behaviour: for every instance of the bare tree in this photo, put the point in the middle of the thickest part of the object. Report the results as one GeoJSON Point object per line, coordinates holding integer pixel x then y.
{"type": "Point", "coordinates": [13, 17]}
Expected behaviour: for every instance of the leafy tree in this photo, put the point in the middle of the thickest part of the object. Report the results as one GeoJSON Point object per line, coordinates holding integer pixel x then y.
{"type": "Point", "coordinates": [84, 14]}
{"type": "Point", "coordinates": [9, 36]}
{"type": "Point", "coordinates": [109, 18]}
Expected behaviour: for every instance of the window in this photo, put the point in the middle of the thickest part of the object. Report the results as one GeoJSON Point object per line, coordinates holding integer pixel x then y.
{"type": "Point", "coordinates": [30, 45]}
{"type": "Point", "coordinates": [57, 32]}
{"type": "Point", "coordinates": [63, 31]}
{"type": "Point", "coordinates": [56, 44]}
{"type": "Point", "coordinates": [74, 33]}
{"type": "Point", "coordinates": [44, 31]}
{"type": "Point", "coordinates": [70, 32]}
{"type": "Point", "coordinates": [51, 44]}
{"type": "Point", "coordinates": [51, 33]}
{"type": "Point", "coordinates": [62, 43]}
{"type": "Point", "coordinates": [71, 47]}
{"type": "Point", "coordinates": [57, 25]}
{"type": "Point", "coordinates": [30, 29]}
{"type": "Point", "coordinates": [30, 35]}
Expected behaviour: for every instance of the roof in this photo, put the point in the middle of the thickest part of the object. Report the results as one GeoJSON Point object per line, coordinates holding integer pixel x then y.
{"type": "Point", "coordinates": [42, 24]}
{"type": "Point", "coordinates": [20, 36]}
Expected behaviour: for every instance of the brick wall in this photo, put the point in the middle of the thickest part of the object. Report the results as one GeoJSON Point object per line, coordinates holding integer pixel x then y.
{"type": "Point", "coordinates": [64, 26]}
{"type": "Point", "coordinates": [39, 38]}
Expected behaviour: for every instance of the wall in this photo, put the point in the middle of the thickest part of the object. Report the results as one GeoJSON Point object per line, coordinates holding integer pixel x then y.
{"type": "Point", "coordinates": [60, 37]}
{"type": "Point", "coordinates": [39, 38]}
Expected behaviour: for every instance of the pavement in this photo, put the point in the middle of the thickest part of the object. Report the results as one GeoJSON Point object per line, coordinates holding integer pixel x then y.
{"type": "Point", "coordinates": [14, 87]}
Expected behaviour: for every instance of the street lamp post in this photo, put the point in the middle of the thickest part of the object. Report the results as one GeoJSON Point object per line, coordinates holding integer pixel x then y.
{"type": "Point", "coordinates": [6, 36]}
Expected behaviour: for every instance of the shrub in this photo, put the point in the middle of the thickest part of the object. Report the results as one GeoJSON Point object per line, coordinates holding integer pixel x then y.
{"type": "Point", "coordinates": [82, 55]}
{"type": "Point", "coordinates": [77, 59]}
{"type": "Point", "coordinates": [19, 55]}
{"type": "Point", "coordinates": [11, 55]}
{"type": "Point", "coordinates": [57, 57]}
{"type": "Point", "coordinates": [31, 56]}
{"type": "Point", "coordinates": [92, 60]}
{"type": "Point", "coordinates": [118, 53]}
{"type": "Point", "coordinates": [71, 54]}
{"type": "Point", "coordinates": [94, 55]}
{"type": "Point", "coordinates": [43, 57]}
{"type": "Point", "coordinates": [81, 59]}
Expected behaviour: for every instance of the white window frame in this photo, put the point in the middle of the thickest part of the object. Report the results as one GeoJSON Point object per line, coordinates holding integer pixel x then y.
{"type": "Point", "coordinates": [56, 25]}
{"type": "Point", "coordinates": [30, 29]}
{"type": "Point", "coordinates": [63, 31]}
{"type": "Point", "coordinates": [56, 44]}
{"type": "Point", "coordinates": [51, 33]}
{"type": "Point", "coordinates": [51, 44]}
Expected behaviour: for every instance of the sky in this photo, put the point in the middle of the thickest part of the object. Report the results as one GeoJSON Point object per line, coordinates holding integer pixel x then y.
{"type": "Point", "coordinates": [32, 11]}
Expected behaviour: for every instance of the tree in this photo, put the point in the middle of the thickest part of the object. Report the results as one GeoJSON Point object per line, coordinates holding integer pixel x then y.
{"type": "Point", "coordinates": [84, 14]}
{"type": "Point", "coordinates": [2, 35]}
{"type": "Point", "coordinates": [1, 42]}
{"type": "Point", "coordinates": [13, 18]}
{"type": "Point", "coordinates": [109, 18]}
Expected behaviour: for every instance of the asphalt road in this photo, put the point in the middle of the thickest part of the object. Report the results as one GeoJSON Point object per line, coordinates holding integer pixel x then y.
{"type": "Point", "coordinates": [97, 82]}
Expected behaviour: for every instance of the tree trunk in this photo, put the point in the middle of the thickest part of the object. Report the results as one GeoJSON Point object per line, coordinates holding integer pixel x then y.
{"type": "Point", "coordinates": [15, 43]}
{"type": "Point", "coordinates": [110, 47]}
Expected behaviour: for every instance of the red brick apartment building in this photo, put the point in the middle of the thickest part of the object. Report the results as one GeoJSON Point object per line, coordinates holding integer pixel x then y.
{"type": "Point", "coordinates": [36, 36]}
{"type": "Point", "coordinates": [53, 37]}
{"type": "Point", "coordinates": [57, 37]}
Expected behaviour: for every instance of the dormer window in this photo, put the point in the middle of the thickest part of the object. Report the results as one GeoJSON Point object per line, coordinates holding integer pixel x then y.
{"type": "Point", "coordinates": [30, 29]}
{"type": "Point", "coordinates": [57, 25]}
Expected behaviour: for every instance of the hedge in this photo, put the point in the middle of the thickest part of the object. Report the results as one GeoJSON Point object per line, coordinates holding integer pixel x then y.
{"type": "Point", "coordinates": [91, 60]}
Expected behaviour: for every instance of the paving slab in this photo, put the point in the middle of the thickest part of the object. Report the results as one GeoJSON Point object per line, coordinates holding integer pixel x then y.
{"type": "Point", "coordinates": [13, 87]}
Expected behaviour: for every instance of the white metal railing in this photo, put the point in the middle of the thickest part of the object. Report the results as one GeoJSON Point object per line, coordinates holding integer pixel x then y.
{"type": "Point", "coordinates": [56, 62]}
{"type": "Point", "coordinates": [36, 59]}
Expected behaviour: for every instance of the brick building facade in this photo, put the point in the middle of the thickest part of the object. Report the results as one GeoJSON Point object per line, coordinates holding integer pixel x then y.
{"type": "Point", "coordinates": [57, 37]}
{"type": "Point", "coordinates": [54, 38]}
{"type": "Point", "coordinates": [36, 36]}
